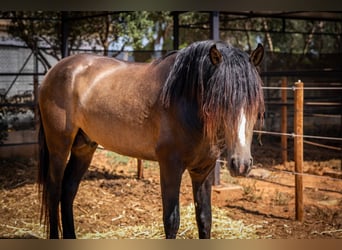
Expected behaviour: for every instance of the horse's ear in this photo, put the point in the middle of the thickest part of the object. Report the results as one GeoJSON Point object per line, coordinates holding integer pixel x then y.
{"type": "Point", "coordinates": [215, 55]}
{"type": "Point", "coordinates": [257, 55]}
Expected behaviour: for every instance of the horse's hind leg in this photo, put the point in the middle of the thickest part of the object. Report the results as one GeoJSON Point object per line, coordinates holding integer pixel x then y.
{"type": "Point", "coordinates": [81, 154]}
{"type": "Point", "coordinates": [58, 161]}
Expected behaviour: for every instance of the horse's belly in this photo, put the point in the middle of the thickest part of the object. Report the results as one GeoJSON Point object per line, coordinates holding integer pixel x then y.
{"type": "Point", "coordinates": [133, 146]}
{"type": "Point", "coordinates": [134, 140]}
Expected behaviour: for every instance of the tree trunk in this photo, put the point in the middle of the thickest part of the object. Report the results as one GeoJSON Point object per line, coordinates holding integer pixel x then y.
{"type": "Point", "coordinates": [267, 35]}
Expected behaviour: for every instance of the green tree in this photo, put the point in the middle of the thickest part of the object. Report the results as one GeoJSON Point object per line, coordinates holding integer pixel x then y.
{"type": "Point", "coordinates": [161, 30]}
{"type": "Point", "coordinates": [119, 28]}
{"type": "Point", "coordinates": [194, 26]}
{"type": "Point", "coordinates": [96, 29]}
{"type": "Point", "coordinates": [153, 29]}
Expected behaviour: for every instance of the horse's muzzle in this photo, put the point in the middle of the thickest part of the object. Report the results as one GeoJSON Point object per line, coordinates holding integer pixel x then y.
{"type": "Point", "coordinates": [240, 167]}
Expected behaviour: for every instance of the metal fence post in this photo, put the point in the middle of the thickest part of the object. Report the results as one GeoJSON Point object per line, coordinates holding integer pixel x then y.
{"type": "Point", "coordinates": [284, 121]}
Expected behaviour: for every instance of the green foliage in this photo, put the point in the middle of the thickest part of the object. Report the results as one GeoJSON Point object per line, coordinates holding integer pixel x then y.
{"type": "Point", "coordinates": [138, 26]}
{"type": "Point", "coordinates": [161, 30]}
{"type": "Point", "coordinates": [122, 28]}
{"type": "Point", "coordinates": [280, 35]}
{"type": "Point", "coordinates": [196, 28]}
{"type": "Point", "coordinates": [84, 28]}
{"type": "Point", "coordinates": [148, 30]}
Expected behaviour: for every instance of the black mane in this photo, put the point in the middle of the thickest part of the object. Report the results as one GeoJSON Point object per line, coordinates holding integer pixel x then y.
{"type": "Point", "coordinates": [221, 91]}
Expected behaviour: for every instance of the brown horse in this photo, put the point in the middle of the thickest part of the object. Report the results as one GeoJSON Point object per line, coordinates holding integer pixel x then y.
{"type": "Point", "coordinates": [183, 110]}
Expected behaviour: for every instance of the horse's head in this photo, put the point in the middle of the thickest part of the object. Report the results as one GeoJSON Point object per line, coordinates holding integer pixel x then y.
{"type": "Point", "coordinates": [246, 102]}
{"type": "Point", "coordinates": [225, 86]}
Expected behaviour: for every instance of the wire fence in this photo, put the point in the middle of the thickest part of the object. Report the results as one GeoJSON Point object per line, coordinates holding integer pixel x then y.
{"type": "Point", "coordinates": [304, 136]}
{"type": "Point", "coordinates": [298, 137]}
{"type": "Point", "coordinates": [292, 172]}
{"type": "Point", "coordinates": [293, 135]}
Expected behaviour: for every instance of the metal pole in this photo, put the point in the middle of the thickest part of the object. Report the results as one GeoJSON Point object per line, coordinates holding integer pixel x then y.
{"type": "Point", "coordinates": [284, 121]}
{"type": "Point", "coordinates": [35, 84]}
{"type": "Point", "coordinates": [64, 34]}
{"type": "Point", "coordinates": [215, 25]}
{"type": "Point", "coordinates": [298, 148]}
{"type": "Point", "coordinates": [217, 169]}
{"type": "Point", "coordinates": [176, 30]}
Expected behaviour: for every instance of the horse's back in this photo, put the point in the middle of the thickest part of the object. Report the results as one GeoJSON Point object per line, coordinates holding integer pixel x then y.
{"type": "Point", "coordinates": [66, 70]}
{"type": "Point", "coordinates": [87, 77]}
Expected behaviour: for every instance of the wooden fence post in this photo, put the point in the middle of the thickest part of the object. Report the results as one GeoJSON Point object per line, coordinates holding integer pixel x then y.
{"type": "Point", "coordinates": [284, 121]}
{"type": "Point", "coordinates": [140, 168]}
{"type": "Point", "coordinates": [298, 148]}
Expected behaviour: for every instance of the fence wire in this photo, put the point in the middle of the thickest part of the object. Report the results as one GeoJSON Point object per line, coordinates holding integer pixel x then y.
{"type": "Point", "coordinates": [292, 172]}
{"type": "Point", "coordinates": [295, 135]}
{"type": "Point", "coordinates": [304, 88]}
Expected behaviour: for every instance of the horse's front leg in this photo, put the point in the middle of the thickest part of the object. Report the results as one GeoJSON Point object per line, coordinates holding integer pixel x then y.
{"type": "Point", "coordinates": [202, 196]}
{"type": "Point", "coordinates": [170, 178]}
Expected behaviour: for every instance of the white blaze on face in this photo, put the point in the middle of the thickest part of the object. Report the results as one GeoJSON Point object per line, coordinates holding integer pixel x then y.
{"type": "Point", "coordinates": [242, 128]}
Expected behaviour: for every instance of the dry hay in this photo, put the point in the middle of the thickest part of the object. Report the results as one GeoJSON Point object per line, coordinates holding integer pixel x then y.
{"type": "Point", "coordinates": [20, 209]}
{"type": "Point", "coordinates": [28, 226]}
{"type": "Point", "coordinates": [222, 228]}
{"type": "Point", "coordinates": [20, 212]}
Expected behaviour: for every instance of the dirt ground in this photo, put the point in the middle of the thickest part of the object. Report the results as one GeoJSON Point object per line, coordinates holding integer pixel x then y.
{"type": "Point", "coordinates": [111, 198]}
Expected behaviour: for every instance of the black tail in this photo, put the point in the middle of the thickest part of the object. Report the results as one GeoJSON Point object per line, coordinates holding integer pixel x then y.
{"type": "Point", "coordinates": [43, 170]}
